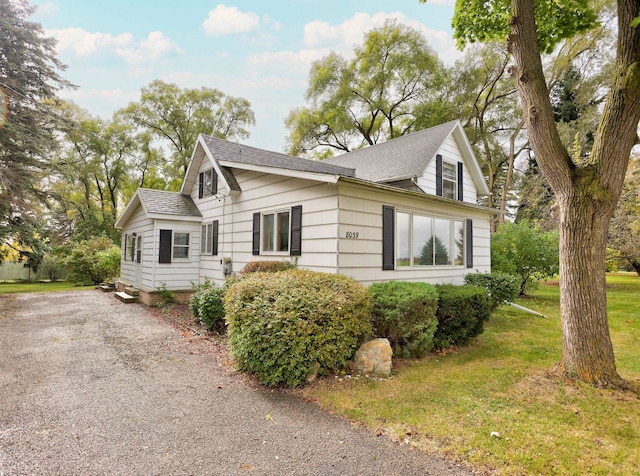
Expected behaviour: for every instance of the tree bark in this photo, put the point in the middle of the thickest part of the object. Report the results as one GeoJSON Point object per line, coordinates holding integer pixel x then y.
{"type": "Point", "coordinates": [587, 190]}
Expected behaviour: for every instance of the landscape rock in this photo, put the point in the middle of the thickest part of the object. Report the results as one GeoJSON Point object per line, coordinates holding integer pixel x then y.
{"type": "Point", "coordinates": [374, 357]}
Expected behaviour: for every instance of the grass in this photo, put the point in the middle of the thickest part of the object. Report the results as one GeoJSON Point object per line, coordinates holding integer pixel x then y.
{"type": "Point", "coordinates": [39, 287]}
{"type": "Point", "coordinates": [450, 404]}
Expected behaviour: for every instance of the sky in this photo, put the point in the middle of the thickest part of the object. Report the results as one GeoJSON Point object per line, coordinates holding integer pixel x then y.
{"type": "Point", "coordinates": [258, 50]}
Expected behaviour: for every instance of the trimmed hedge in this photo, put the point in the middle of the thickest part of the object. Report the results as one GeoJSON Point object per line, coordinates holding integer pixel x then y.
{"type": "Point", "coordinates": [267, 266]}
{"type": "Point", "coordinates": [207, 305]}
{"type": "Point", "coordinates": [462, 312]}
{"type": "Point", "coordinates": [500, 286]}
{"type": "Point", "coordinates": [404, 313]}
{"type": "Point", "coordinates": [283, 326]}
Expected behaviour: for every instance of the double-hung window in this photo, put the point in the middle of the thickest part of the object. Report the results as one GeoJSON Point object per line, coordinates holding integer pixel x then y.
{"type": "Point", "coordinates": [174, 245]}
{"type": "Point", "coordinates": [207, 183]}
{"type": "Point", "coordinates": [449, 179]}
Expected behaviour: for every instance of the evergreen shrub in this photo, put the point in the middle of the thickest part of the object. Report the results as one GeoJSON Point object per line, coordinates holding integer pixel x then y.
{"type": "Point", "coordinates": [462, 312]}
{"type": "Point", "coordinates": [283, 326]}
{"type": "Point", "coordinates": [207, 305]}
{"type": "Point", "coordinates": [404, 313]}
{"type": "Point", "coordinates": [502, 287]}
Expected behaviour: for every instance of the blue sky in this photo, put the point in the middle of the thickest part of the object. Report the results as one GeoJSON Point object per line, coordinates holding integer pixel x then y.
{"type": "Point", "coordinates": [259, 50]}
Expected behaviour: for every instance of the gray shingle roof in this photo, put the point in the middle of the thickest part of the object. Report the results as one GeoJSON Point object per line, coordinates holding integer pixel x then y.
{"type": "Point", "coordinates": [167, 203]}
{"type": "Point", "coordinates": [243, 154]}
{"type": "Point", "coordinates": [400, 158]}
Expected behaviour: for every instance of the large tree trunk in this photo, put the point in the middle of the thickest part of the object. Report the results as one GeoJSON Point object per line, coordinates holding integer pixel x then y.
{"type": "Point", "coordinates": [587, 351]}
{"type": "Point", "coordinates": [587, 190]}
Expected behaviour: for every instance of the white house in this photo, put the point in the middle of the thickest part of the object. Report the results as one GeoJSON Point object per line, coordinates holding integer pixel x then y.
{"type": "Point", "coordinates": [405, 209]}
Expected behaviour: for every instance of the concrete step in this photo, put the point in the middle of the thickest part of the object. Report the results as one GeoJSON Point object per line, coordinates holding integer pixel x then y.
{"type": "Point", "coordinates": [106, 288]}
{"type": "Point", "coordinates": [126, 298]}
{"type": "Point", "coordinates": [131, 291]}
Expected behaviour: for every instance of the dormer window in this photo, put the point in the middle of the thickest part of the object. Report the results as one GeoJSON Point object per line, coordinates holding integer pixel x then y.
{"type": "Point", "coordinates": [208, 183]}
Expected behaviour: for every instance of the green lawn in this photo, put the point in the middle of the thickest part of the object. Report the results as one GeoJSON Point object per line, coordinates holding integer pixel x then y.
{"type": "Point", "coordinates": [39, 287]}
{"type": "Point", "coordinates": [451, 403]}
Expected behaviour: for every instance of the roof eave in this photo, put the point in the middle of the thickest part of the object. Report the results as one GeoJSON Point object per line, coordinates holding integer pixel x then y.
{"type": "Point", "coordinates": [315, 176]}
{"type": "Point", "coordinates": [435, 198]}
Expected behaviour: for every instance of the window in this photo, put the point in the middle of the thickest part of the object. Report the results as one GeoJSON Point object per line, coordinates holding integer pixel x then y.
{"type": "Point", "coordinates": [449, 186]}
{"type": "Point", "coordinates": [209, 239]}
{"type": "Point", "coordinates": [449, 179]}
{"type": "Point", "coordinates": [173, 246]}
{"type": "Point", "coordinates": [131, 247]}
{"type": "Point", "coordinates": [207, 183]}
{"type": "Point", "coordinates": [275, 231]}
{"type": "Point", "coordinates": [139, 249]}
{"type": "Point", "coordinates": [428, 241]}
{"type": "Point", "coordinates": [278, 231]}
{"type": "Point", "coordinates": [180, 245]}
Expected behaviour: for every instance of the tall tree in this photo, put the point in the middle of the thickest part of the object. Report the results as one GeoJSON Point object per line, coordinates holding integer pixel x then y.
{"type": "Point", "coordinates": [393, 81]}
{"type": "Point", "coordinates": [588, 188]}
{"type": "Point", "coordinates": [29, 75]}
{"type": "Point", "coordinates": [485, 96]}
{"type": "Point", "coordinates": [176, 116]}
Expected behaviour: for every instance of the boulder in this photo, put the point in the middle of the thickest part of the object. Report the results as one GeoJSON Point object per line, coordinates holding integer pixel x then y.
{"type": "Point", "coordinates": [374, 357]}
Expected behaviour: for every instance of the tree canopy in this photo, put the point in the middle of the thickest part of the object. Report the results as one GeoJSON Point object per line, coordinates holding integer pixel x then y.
{"type": "Point", "coordinates": [382, 93]}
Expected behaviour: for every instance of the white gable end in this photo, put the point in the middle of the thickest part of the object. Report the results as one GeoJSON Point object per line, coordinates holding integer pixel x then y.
{"type": "Point", "coordinates": [451, 154]}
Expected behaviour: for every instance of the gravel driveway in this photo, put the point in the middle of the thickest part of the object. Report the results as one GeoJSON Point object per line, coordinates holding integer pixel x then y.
{"type": "Point", "coordinates": [90, 386]}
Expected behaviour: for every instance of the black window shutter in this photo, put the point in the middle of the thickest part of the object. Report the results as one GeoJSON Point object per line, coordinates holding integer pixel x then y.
{"type": "Point", "coordinates": [165, 246]}
{"type": "Point", "coordinates": [296, 231]}
{"type": "Point", "coordinates": [388, 234]}
{"type": "Point", "coordinates": [126, 237]}
{"type": "Point", "coordinates": [138, 253]}
{"type": "Point", "coordinates": [256, 234]}
{"type": "Point", "coordinates": [214, 243]}
{"type": "Point", "coordinates": [201, 185]}
{"type": "Point", "coordinates": [460, 181]}
{"type": "Point", "coordinates": [439, 175]}
{"type": "Point", "coordinates": [469, 242]}
{"type": "Point", "coordinates": [214, 181]}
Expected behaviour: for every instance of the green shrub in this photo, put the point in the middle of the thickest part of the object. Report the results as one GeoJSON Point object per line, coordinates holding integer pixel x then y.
{"type": "Point", "coordinates": [93, 261]}
{"type": "Point", "coordinates": [462, 312]}
{"type": "Point", "coordinates": [284, 325]}
{"type": "Point", "coordinates": [207, 305]}
{"type": "Point", "coordinates": [267, 266]}
{"type": "Point", "coordinates": [502, 287]}
{"type": "Point", "coordinates": [404, 313]}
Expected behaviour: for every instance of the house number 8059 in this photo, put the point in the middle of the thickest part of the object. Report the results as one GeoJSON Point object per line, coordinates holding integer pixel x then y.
{"type": "Point", "coordinates": [353, 235]}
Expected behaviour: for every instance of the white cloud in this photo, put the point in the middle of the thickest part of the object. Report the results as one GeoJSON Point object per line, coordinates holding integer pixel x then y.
{"type": "Point", "coordinates": [344, 36]}
{"type": "Point", "coordinates": [287, 61]}
{"type": "Point", "coordinates": [101, 102]}
{"type": "Point", "coordinates": [47, 9]}
{"type": "Point", "coordinates": [224, 20]}
{"type": "Point", "coordinates": [157, 45]}
{"type": "Point", "coordinates": [83, 43]}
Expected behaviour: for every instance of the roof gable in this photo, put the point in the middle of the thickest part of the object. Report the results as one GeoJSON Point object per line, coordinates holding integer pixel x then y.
{"type": "Point", "coordinates": [158, 204]}
{"type": "Point", "coordinates": [407, 157]}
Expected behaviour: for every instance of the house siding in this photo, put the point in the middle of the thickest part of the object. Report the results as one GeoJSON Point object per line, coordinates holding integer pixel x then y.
{"type": "Point", "coordinates": [361, 257]}
{"type": "Point", "coordinates": [450, 153]}
{"type": "Point", "coordinates": [177, 275]}
{"type": "Point", "coordinates": [141, 225]}
{"type": "Point", "coordinates": [264, 193]}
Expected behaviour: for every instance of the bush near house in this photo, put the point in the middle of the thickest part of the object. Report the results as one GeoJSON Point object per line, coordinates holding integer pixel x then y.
{"type": "Point", "coordinates": [462, 312]}
{"type": "Point", "coordinates": [502, 287]}
{"type": "Point", "coordinates": [283, 326]}
{"type": "Point", "coordinates": [93, 261]}
{"type": "Point", "coordinates": [207, 305]}
{"type": "Point", "coordinates": [405, 313]}
{"type": "Point", "coordinates": [267, 266]}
